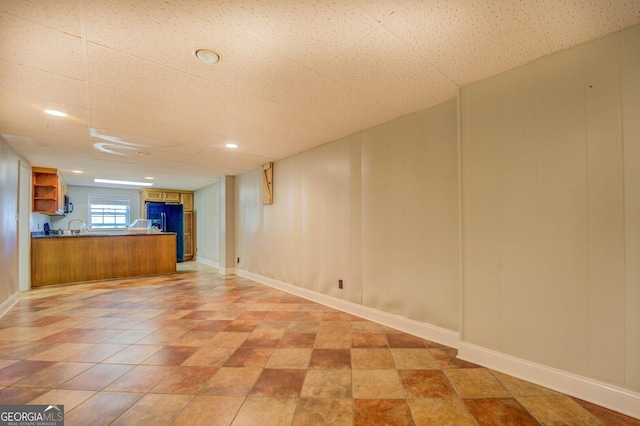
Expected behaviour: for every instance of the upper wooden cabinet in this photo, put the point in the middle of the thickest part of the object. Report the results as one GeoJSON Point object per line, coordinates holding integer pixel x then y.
{"type": "Point", "coordinates": [49, 190]}
{"type": "Point", "coordinates": [162, 195]}
{"type": "Point", "coordinates": [186, 198]}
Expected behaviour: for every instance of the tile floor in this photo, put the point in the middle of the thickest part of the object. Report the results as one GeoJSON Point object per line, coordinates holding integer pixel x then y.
{"type": "Point", "coordinates": [199, 348]}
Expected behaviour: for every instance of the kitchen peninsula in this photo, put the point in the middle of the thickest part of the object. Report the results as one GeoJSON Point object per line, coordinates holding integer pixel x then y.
{"type": "Point", "coordinates": [81, 258]}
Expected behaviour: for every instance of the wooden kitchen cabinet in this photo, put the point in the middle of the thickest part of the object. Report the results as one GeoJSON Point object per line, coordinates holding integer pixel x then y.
{"type": "Point", "coordinates": [188, 235]}
{"type": "Point", "coordinates": [161, 195]}
{"type": "Point", "coordinates": [186, 198]}
{"type": "Point", "coordinates": [49, 190]}
{"type": "Point", "coordinates": [64, 260]}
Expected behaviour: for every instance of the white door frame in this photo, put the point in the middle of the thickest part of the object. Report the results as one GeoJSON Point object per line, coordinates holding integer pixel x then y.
{"type": "Point", "coordinates": [24, 229]}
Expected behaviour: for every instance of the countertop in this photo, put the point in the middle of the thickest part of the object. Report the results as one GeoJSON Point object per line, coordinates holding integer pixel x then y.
{"type": "Point", "coordinates": [41, 234]}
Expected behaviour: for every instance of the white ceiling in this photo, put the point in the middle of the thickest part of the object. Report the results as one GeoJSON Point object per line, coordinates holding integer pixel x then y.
{"type": "Point", "coordinates": [293, 74]}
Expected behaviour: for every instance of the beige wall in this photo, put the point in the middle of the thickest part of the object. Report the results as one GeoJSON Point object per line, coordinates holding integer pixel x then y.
{"type": "Point", "coordinates": [377, 209]}
{"type": "Point", "coordinates": [551, 202]}
{"type": "Point", "coordinates": [207, 219]}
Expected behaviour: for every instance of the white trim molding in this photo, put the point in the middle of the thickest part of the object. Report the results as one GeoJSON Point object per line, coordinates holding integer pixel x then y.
{"type": "Point", "coordinates": [613, 397]}
{"type": "Point", "coordinates": [423, 330]}
{"type": "Point", "coordinates": [216, 265]}
{"type": "Point", "coordinates": [603, 394]}
{"type": "Point", "coordinates": [8, 304]}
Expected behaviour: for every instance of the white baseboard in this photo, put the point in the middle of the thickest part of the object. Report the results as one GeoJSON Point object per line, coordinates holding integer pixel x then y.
{"type": "Point", "coordinates": [8, 304]}
{"type": "Point", "coordinates": [423, 330]}
{"type": "Point", "coordinates": [207, 262]}
{"type": "Point", "coordinates": [213, 264]}
{"type": "Point", "coordinates": [603, 394]}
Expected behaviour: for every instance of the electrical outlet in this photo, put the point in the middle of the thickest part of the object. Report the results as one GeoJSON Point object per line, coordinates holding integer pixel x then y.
{"type": "Point", "coordinates": [340, 284]}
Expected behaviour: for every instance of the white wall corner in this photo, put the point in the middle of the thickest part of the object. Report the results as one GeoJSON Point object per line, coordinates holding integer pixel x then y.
{"type": "Point", "coordinates": [603, 394]}
{"type": "Point", "coordinates": [423, 330]}
{"type": "Point", "coordinates": [8, 304]}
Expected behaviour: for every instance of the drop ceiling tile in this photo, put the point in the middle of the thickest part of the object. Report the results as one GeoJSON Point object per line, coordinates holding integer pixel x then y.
{"type": "Point", "coordinates": [382, 67]}
{"type": "Point", "coordinates": [53, 91]}
{"type": "Point", "coordinates": [35, 141]}
{"type": "Point", "coordinates": [141, 107]}
{"type": "Point", "coordinates": [468, 41]}
{"type": "Point", "coordinates": [121, 72]}
{"type": "Point", "coordinates": [61, 15]}
{"type": "Point", "coordinates": [132, 135]}
{"type": "Point", "coordinates": [319, 96]}
{"type": "Point", "coordinates": [568, 23]}
{"type": "Point", "coordinates": [30, 106]}
{"type": "Point", "coordinates": [35, 46]}
{"type": "Point", "coordinates": [217, 157]}
{"type": "Point", "coordinates": [380, 10]}
{"type": "Point", "coordinates": [306, 32]}
{"type": "Point", "coordinates": [54, 127]}
{"type": "Point", "coordinates": [168, 36]}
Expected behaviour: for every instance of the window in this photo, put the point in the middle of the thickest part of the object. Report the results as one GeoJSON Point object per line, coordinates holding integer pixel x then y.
{"type": "Point", "coordinates": [108, 212]}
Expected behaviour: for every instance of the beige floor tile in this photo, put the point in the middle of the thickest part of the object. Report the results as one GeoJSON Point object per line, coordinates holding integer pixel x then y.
{"type": "Point", "coordinates": [324, 411]}
{"type": "Point", "coordinates": [154, 409]}
{"type": "Point", "coordinates": [61, 352]}
{"type": "Point", "coordinates": [54, 375]}
{"type": "Point", "coordinates": [101, 409]}
{"type": "Point", "coordinates": [414, 359]}
{"type": "Point", "coordinates": [210, 410]}
{"type": "Point", "coordinates": [229, 340]}
{"type": "Point", "coordinates": [371, 359]}
{"type": "Point", "coordinates": [519, 387]}
{"type": "Point", "coordinates": [377, 384]}
{"type": "Point", "coordinates": [69, 398]}
{"type": "Point", "coordinates": [555, 410]}
{"type": "Point", "coordinates": [289, 358]}
{"type": "Point", "coordinates": [232, 381]}
{"type": "Point", "coordinates": [209, 357]}
{"type": "Point", "coordinates": [440, 411]}
{"type": "Point", "coordinates": [327, 384]}
{"type": "Point", "coordinates": [266, 411]}
{"type": "Point", "coordinates": [476, 383]}
{"type": "Point", "coordinates": [133, 354]}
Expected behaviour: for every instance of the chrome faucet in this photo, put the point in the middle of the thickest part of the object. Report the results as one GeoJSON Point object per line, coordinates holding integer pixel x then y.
{"type": "Point", "coordinates": [83, 226]}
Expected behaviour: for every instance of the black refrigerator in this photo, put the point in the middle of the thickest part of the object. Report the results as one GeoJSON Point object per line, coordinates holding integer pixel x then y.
{"type": "Point", "coordinates": [168, 217]}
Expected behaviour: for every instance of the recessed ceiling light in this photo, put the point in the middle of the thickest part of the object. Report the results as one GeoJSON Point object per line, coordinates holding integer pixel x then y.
{"type": "Point", "coordinates": [77, 171]}
{"type": "Point", "coordinates": [149, 177]}
{"type": "Point", "coordinates": [123, 182]}
{"type": "Point", "coordinates": [231, 145]}
{"type": "Point", "coordinates": [55, 113]}
{"type": "Point", "coordinates": [207, 56]}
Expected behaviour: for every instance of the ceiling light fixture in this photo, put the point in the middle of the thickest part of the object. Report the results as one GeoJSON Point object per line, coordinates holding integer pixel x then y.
{"type": "Point", "coordinates": [55, 113]}
{"type": "Point", "coordinates": [122, 182]}
{"type": "Point", "coordinates": [77, 171]}
{"type": "Point", "coordinates": [149, 177]}
{"type": "Point", "coordinates": [231, 145]}
{"type": "Point", "coordinates": [207, 56]}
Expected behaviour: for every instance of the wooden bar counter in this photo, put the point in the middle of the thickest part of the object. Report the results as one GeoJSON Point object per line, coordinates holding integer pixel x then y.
{"type": "Point", "coordinates": [72, 259]}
